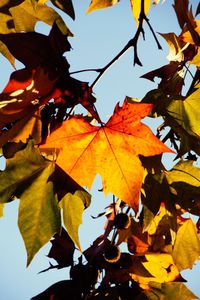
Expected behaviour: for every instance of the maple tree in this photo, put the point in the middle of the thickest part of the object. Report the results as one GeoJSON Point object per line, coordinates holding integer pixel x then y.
{"type": "Point", "coordinates": [54, 153]}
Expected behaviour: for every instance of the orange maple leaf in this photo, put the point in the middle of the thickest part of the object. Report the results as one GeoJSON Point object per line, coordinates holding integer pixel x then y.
{"type": "Point", "coordinates": [111, 150]}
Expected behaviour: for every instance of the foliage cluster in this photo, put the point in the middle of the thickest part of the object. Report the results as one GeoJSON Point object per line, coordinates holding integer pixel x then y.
{"type": "Point", "coordinates": [54, 154]}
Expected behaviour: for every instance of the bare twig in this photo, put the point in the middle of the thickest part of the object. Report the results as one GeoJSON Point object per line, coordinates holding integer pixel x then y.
{"type": "Point", "coordinates": [132, 43]}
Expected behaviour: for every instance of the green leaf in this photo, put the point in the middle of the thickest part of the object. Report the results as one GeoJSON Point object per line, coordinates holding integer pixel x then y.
{"type": "Point", "coordinates": [73, 207]}
{"type": "Point", "coordinates": [99, 4]}
{"type": "Point", "coordinates": [171, 291]}
{"type": "Point", "coordinates": [19, 169]}
{"type": "Point", "coordinates": [39, 215]}
{"type": "Point", "coordinates": [66, 6]}
{"type": "Point", "coordinates": [187, 246]}
{"type": "Point", "coordinates": [186, 112]}
{"type": "Point", "coordinates": [184, 183]}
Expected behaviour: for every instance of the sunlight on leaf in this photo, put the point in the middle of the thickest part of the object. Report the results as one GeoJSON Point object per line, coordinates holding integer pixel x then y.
{"type": "Point", "coordinates": [99, 4]}
{"type": "Point", "coordinates": [111, 150]}
{"type": "Point", "coordinates": [1, 209]}
{"type": "Point", "coordinates": [186, 112]}
{"type": "Point", "coordinates": [73, 208]}
{"type": "Point", "coordinates": [160, 266]}
{"type": "Point", "coordinates": [136, 8]}
{"type": "Point", "coordinates": [175, 46]}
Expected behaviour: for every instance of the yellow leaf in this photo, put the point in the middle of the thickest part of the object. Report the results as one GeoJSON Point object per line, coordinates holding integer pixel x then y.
{"type": "Point", "coordinates": [1, 209]}
{"type": "Point", "coordinates": [196, 59]}
{"type": "Point", "coordinates": [187, 37]}
{"type": "Point", "coordinates": [154, 223]}
{"type": "Point", "coordinates": [99, 4]}
{"type": "Point", "coordinates": [73, 207]}
{"type": "Point", "coordinates": [136, 8]}
{"type": "Point", "coordinates": [162, 268]}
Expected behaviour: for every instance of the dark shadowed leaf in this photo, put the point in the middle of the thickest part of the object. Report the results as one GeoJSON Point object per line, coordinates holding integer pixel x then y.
{"type": "Point", "coordinates": [61, 290]}
{"type": "Point", "coordinates": [62, 249]}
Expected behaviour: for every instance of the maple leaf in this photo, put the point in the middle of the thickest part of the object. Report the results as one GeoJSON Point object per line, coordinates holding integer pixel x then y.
{"type": "Point", "coordinates": [187, 246]}
{"type": "Point", "coordinates": [111, 150]}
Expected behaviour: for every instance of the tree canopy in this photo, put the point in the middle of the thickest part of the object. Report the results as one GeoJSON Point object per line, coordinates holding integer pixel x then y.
{"type": "Point", "coordinates": [54, 152]}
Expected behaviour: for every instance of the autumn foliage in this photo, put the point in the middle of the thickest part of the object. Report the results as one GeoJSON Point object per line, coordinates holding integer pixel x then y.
{"type": "Point", "coordinates": [54, 153]}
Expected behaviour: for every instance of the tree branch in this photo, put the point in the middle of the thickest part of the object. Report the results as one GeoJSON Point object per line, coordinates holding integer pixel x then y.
{"type": "Point", "coordinates": [132, 43]}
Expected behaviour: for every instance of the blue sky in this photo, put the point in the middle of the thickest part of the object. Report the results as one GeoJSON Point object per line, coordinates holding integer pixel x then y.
{"type": "Point", "coordinates": [98, 37]}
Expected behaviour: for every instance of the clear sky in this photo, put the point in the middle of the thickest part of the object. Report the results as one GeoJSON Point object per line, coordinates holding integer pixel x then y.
{"type": "Point", "coordinates": [99, 36]}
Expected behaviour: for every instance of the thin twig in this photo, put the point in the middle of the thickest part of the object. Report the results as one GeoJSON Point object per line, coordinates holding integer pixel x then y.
{"type": "Point", "coordinates": [85, 70]}
{"type": "Point", "coordinates": [132, 43]}
{"type": "Point", "coordinates": [153, 32]}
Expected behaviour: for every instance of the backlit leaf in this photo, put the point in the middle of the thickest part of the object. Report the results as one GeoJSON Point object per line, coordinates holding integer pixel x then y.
{"type": "Point", "coordinates": [39, 214]}
{"type": "Point", "coordinates": [175, 46]}
{"type": "Point", "coordinates": [25, 92]}
{"type": "Point", "coordinates": [111, 150]}
{"type": "Point", "coordinates": [1, 209]}
{"type": "Point", "coordinates": [160, 266]}
{"type": "Point", "coordinates": [4, 50]}
{"type": "Point", "coordinates": [99, 4]}
{"type": "Point", "coordinates": [136, 8]}
{"type": "Point", "coordinates": [19, 169]}
{"type": "Point", "coordinates": [37, 12]}
{"type": "Point", "coordinates": [187, 246]}
{"type": "Point", "coordinates": [186, 112]}
{"type": "Point", "coordinates": [187, 37]}
{"type": "Point", "coordinates": [73, 207]}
